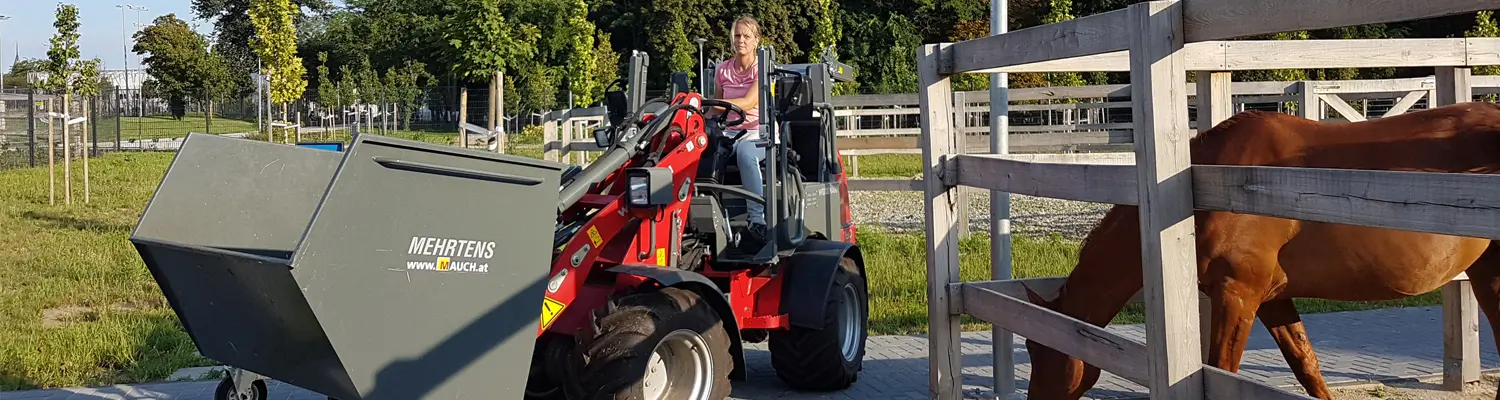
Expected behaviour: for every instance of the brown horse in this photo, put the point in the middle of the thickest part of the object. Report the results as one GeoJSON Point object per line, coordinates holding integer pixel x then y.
{"type": "Point", "coordinates": [1253, 265]}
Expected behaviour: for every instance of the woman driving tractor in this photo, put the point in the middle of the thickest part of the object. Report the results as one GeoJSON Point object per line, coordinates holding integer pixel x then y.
{"type": "Point", "coordinates": [736, 81]}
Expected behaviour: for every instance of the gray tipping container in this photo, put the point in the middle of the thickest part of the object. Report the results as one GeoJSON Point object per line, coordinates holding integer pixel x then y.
{"type": "Point", "coordinates": [396, 270]}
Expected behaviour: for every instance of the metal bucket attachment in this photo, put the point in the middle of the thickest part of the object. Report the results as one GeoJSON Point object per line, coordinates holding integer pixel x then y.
{"type": "Point", "coordinates": [395, 270]}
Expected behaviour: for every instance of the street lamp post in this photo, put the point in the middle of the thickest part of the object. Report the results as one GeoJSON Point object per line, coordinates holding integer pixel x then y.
{"type": "Point", "coordinates": [125, 60]}
{"type": "Point", "coordinates": [702, 78]}
{"type": "Point", "coordinates": [2, 57]}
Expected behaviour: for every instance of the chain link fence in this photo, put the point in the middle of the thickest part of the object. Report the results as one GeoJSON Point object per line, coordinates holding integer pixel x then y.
{"type": "Point", "coordinates": [138, 120]}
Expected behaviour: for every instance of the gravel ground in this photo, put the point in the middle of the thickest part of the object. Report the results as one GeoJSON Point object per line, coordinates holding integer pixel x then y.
{"type": "Point", "coordinates": [1425, 389]}
{"type": "Point", "coordinates": [1031, 216]}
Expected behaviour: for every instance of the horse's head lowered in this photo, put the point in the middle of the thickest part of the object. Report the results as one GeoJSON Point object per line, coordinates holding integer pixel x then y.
{"type": "Point", "coordinates": [1054, 374]}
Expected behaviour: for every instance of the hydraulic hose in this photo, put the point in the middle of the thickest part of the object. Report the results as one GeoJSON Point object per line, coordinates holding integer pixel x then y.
{"type": "Point", "coordinates": [617, 155]}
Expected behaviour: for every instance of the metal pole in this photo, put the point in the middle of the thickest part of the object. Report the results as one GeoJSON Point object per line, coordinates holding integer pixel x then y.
{"type": "Point", "coordinates": [2, 58]}
{"type": "Point", "coordinates": [702, 77]}
{"type": "Point", "coordinates": [31, 125]}
{"type": "Point", "coordinates": [1000, 247]}
{"type": "Point", "coordinates": [140, 115]}
{"type": "Point", "coordinates": [258, 71]}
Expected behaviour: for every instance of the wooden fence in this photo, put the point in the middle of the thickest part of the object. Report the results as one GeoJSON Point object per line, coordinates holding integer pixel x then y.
{"type": "Point", "coordinates": [1158, 42]}
{"type": "Point", "coordinates": [1097, 125]}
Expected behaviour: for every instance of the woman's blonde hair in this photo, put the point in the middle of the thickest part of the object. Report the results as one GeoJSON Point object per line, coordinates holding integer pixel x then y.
{"type": "Point", "coordinates": [750, 24]}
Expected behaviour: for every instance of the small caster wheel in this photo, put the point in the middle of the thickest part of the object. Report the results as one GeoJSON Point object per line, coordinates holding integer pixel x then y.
{"type": "Point", "coordinates": [251, 390]}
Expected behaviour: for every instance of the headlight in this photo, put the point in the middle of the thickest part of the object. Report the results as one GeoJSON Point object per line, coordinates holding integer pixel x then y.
{"type": "Point", "coordinates": [640, 190]}
{"type": "Point", "coordinates": [647, 187]}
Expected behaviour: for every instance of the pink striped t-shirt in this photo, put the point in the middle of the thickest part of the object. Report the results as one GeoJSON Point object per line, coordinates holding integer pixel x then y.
{"type": "Point", "coordinates": [736, 84]}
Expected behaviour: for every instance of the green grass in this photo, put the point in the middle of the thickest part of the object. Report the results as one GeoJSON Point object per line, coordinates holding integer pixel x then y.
{"type": "Point", "coordinates": [106, 320]}
{"type": "Point", "coordinates": [887, 165]}
{"type": "Point", "coordinates": [78, 307]}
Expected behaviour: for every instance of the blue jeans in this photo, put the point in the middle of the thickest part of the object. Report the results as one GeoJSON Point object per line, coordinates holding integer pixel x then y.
{"type": "Point", "coordinates": [747, 158]}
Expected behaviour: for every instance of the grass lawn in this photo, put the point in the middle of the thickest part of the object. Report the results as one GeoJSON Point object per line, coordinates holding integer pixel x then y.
{"type": "Point", "coordinates": [166, 127]}
{"type": "Point", "coordinates": [78, 307]}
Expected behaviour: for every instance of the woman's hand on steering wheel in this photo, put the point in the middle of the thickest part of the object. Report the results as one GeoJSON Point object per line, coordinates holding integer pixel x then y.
{"type": "Point", "coordinates": [723, 116]}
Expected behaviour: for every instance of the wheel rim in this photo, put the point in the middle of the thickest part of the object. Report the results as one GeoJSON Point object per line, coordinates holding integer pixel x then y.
{"type": "Point", "coordinates": [679, 368]}
{"type": "Point", "coordinates": [849, 326]}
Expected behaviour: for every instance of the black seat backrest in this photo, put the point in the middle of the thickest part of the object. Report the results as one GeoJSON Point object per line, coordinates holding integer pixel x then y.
{"type": "Point", "coordinates": [808, 141]}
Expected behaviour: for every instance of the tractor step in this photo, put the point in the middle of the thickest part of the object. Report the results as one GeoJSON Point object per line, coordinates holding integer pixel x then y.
{"type": "Point", "coordinates": [395, 270]}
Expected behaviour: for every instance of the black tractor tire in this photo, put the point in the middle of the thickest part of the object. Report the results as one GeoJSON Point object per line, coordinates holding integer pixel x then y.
{"type": "Point", "coordinates": [815, 359]}
{"type": "Point", "coordinates": [630, 329]}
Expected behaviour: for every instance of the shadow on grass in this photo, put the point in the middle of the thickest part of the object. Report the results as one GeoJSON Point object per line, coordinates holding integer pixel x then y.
{"type": "Point", "coordinates": [57, 221]}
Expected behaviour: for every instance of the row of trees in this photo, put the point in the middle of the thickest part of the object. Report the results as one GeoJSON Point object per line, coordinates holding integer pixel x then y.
{"type": "Point", "coordinates": [554, 51]}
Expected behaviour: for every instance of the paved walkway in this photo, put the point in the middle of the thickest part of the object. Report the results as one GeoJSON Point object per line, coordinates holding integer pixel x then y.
{"type": "Point", "coordinates": [1353, 347]}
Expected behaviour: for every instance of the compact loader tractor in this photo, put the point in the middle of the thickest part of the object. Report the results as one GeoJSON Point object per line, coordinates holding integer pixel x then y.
{"type": "Point", "coordinates": [404, 270]}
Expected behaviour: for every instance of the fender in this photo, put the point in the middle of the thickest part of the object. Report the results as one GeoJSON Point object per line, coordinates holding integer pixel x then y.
{"type": "Point", "coordinates": [809, 272]}
{"type": "Point", "coordinates": [709, 292]}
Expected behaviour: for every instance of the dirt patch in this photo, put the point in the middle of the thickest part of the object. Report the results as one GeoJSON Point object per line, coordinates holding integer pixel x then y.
{"type": "Point", "coordinates": [71, 314]}
{"type": "Point", "coordinates": [1425, 389]}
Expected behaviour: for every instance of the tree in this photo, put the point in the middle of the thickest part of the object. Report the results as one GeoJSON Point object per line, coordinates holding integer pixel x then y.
{"type": "Point", "coordinates": [407, 84]}
{"type": "Point", "coordinates": [482, 41]}
{"type": "Point", "coordinates": [64, 50]}
{"type": "Point", "coordinates": [582, 65]}
{"type": "Point", "coordinates": [178, 61]}
{"type": "Point", "coordinates": [275, 42]}
{"type": "Point", "coordinates": [606, 66]}
{"type": "Point", "coordinates": [324, 95]}
{"type": "Point", "coordinates": [235, 32]}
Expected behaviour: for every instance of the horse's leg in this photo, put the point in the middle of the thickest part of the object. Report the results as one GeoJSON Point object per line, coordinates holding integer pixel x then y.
{"type": "Point", "coordinates": [1234, 304]}
{"type": "Point", "coordinates": [1484, 277]}
{"type": "Point", "coordinates": [1239, 268]}
{"type": "Point", "coordinates": [1280, 317]}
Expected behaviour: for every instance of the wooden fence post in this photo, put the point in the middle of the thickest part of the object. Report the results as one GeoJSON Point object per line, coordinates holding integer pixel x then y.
{"type": "Point", "coordinates": [463, 116]}
{"type": "Point", "coordinates": [1159, 93]}
{"type": "Point", "coordinates": [1215, 98]}
{"type": "Point", "coordinates": [945, 356]}
{"type": "Point", "coordinates": [549, 135]}
{"type": "Point", "coordinates": [1460, 309]}
{"type": "Point", "coordinates": [1309, 106]}
{"type": "Point", "coordinates": [961, 137]}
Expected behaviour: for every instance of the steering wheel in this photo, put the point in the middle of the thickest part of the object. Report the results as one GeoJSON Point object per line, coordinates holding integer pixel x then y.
{"type": "Point", "coordinates": [722, 117]}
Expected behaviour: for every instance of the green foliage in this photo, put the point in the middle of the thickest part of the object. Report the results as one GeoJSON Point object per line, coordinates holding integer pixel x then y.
{"type": "Point", "coordinates": [347, 94]}
{"type": "Point", "coordinates": [606, 66]}
{"type": "Point", "coordinates": [324, 94]}
{"type": "Point", "coordinates": [883, 49]}
{"type": "Point", "coordinates": [371, 90]}
{"type": "Point", "coordinates": [64, 50]}
{"type": "Point", "coordinates": [1484, 26]}
{"type": "Point", "coordinates": [406, 87]}
{"type": "Point", "coordinates": [275, 42]}
{"type": "Point", "coordinates": [482, 41]}
{"type": "Point", "coordinates": [89, 80]}
{"type": "Point", "coordinates": [582, 65]}
{"type": "Point", "coordinates": [235, 31]}
{"type": "Point", "coordinates": [179, 63]}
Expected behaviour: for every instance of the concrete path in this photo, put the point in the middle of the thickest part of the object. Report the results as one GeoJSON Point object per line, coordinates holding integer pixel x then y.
{"type": "Point", "coordinates": [1353, 347]}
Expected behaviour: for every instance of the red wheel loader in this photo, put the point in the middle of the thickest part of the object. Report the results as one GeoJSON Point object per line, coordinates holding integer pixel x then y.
{"type": "Point", "coordinates": [404, 270]}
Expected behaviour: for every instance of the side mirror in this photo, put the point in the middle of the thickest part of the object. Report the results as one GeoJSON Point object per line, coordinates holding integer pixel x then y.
{"type": "Point", "coordinates": [603, 137]}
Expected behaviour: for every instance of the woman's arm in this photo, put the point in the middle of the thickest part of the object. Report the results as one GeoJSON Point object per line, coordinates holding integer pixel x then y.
{"type": "Point", "coordinates": [751, 99]}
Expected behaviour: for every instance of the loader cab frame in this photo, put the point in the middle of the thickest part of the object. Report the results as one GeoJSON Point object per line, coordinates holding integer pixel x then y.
{"type": "Point", "coordinates": [801, 171]}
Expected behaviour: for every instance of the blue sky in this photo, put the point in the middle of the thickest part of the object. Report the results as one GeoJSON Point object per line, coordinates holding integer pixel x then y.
{"type": "Point", "coordinates": [100, 31]}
